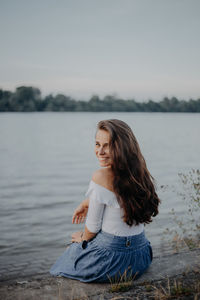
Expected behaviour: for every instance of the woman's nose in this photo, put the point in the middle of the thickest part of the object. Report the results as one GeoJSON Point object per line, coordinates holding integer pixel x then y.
{"type": "Point", "coordinates": [101, 150]}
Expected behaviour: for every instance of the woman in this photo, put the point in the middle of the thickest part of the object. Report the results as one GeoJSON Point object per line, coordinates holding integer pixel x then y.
{"type": "Point", "coordinates": [121, 198]}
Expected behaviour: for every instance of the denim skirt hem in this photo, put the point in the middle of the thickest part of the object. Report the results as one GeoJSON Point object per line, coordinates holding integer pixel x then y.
{"type": "Point", "coordinates": [106, 258]}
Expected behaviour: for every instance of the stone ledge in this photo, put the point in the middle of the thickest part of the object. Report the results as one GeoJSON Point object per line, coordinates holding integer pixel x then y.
{"type": "Point", "coordinates": [65, 289]}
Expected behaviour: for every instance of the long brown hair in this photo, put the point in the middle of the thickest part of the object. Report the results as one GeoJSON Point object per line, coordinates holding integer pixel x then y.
{"type": "Point", "coordinates": [133, 184]}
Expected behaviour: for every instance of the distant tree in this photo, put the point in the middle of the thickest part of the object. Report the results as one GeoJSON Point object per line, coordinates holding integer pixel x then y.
{"type": "Point", "coordinates": [59, 103]}
{"type": "Point", "coordinates": [165, 105]}
{"type": "Point", "coordinates": [82, 106]}
{"type": "Point", "coordinates": [152, 106]}
{"type": "Point", "coordinates": [25, 99]}
{"type": "Point", "coordinates": [48, 103]}
{"type": "Point", "coordinates": [109, 102]}
{"type": "Point", "coordinates": [198, 105]}
{"type": "Point", "coordinates": [96, 104]}
{"type": "Point", "coordinates": [131, 105]}
{"type": "Point", "coordinates": [192, 106]}
{"type": "Point", "coordinates": [119, 105]}
{"type": "Point", "coordinates": [4, 100]}
{"type": "Point", "coordinates": [182, 105]}
{"type": "Point", "coordinates": [141, 107]}
{"type": "Point", "coordinates": [174, 104]}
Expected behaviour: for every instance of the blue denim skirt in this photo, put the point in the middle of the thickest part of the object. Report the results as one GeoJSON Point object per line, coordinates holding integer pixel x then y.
{"type": "Point", "coordinates": [106, 258]}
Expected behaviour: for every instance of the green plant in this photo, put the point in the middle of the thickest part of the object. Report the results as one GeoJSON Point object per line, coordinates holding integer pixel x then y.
{"type": "Point", "coordinates": [148, 287]}
{"type": "Point", "coordinates": [122, 283]}
{"type": "Point", "coordinates": [174, 290]}
{"type": "Point", "coordinates": [187, 230]}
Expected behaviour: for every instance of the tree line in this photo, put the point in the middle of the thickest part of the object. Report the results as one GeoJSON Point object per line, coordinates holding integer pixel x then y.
{"type": "Point", "coordinates": [29, 99]}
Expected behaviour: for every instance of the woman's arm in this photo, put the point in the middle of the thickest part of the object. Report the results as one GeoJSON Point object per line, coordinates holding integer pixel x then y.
{"type": "Point", "coordinates": [80, 212]}
{"type": "Point", "coordinates": [78, 217]}
{"type": "Point", "coordinates": [82, 236]}
{"type": "Point", "coordinates": [95, 210]}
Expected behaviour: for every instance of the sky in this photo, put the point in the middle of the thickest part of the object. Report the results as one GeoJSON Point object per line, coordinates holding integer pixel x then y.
{"type": "Point", "coordinates": [134, 49]}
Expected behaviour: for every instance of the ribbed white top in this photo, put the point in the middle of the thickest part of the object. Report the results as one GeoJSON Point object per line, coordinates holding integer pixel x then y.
{"type": "Point", "coordinates": [105, 213]}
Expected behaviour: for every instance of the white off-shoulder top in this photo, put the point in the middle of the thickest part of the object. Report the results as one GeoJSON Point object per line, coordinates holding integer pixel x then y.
{"type": "Point", "coordinates": [105, 213]}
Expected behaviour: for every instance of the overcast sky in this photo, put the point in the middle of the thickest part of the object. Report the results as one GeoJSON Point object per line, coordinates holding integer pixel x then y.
{"type": "Point", "coordinates": [138, 49]}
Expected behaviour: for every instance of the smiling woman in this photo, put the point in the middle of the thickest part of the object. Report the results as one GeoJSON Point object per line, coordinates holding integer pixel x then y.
{"type": "Point", "coordinates": [121, 198]}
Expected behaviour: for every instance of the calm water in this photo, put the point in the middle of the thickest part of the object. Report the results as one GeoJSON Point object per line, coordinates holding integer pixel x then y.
{"type": "Point", "coordinates": [46, 162]}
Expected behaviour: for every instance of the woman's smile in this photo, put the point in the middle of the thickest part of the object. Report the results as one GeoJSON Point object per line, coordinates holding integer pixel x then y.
{"type": "Point", "coordinates": [103, 159]}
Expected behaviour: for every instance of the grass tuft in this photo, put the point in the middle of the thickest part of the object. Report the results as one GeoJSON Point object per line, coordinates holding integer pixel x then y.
{"type": "Point", "coordinates": [176, 290]}
{"type": "Point", "coordinates": [122, 283]}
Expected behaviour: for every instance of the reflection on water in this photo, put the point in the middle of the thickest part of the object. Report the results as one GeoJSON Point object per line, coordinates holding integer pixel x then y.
{"type": "Point", "coordinates": [46, 162]}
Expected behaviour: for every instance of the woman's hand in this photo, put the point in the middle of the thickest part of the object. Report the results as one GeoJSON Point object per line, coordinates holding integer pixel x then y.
{"type": "Point", "coordinates": [80, 213]}
{"type": "Point", "coordinates": [77, 237]}
{"type": "Point", "coordinates": [80, 236]}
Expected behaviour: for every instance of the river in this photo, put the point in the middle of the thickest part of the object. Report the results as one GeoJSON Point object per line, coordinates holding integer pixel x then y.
{"type": "Point", "coordinates": [46, 163]}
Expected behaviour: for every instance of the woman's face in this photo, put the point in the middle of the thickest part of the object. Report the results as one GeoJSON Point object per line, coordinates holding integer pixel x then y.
{"type": "Point", "coordinates": [102, 148]}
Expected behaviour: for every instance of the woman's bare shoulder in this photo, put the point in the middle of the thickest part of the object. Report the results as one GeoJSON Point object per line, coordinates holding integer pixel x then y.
{"type": "Point", "coordinates": [103, 177]}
